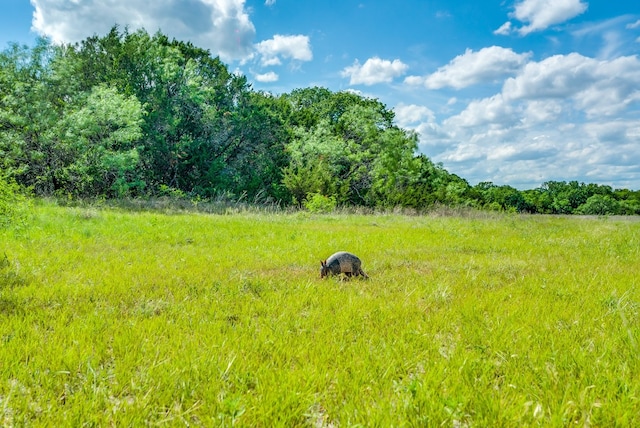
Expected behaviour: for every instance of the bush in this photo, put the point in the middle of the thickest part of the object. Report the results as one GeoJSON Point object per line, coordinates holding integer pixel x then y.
{"type": "Point", "coordinates": [11, 202]}
{"type": "Point", "coordinates": [599, 205]}
{"type": "Point", "coordinates": [318, 203]}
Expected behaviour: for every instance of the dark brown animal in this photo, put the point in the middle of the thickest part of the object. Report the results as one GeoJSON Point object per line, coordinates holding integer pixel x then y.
{"type": "Point", "coordinates": [342, 262]}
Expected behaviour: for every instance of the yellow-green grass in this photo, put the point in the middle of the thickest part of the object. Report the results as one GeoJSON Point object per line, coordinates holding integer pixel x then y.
{"type": "Point", "coordinates": [114, 318]}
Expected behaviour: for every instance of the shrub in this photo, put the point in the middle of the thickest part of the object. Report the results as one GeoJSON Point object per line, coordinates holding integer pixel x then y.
{"type": "Point", "coordinates": [11, 201]}
{"type": "Point", "coordinates": [599, 205]}
{"type": "Point", "coordinates": [318, 203]}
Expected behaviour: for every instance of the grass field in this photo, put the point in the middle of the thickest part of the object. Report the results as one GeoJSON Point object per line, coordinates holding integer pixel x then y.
{"type": "Point", "coordinates": [116, 318]}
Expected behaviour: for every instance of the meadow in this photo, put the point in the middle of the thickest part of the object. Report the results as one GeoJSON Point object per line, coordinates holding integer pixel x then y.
{"type": "Point", "coordinates": [111, 317]}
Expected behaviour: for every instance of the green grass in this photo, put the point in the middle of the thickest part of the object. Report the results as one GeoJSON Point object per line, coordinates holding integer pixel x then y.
{"type": "Point", "coordinates": [114, 318]}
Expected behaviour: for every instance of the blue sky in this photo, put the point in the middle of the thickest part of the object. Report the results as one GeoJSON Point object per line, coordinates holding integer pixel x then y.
{"type": "Point", "coordinates": [515, 92]}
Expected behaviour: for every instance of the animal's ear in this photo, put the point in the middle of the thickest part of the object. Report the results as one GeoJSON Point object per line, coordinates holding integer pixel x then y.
{"type": "Point", "coordinates": [323, 263]}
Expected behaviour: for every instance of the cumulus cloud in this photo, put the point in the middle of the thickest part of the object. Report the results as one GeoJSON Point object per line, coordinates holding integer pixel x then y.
{"type": "Point", "coordinates": [537, 112]}
{"type": "Point", "coordinates": [504, 29]}
{"type": "Point", "coordinates": [486, 65]}
{"type": "Point", "coordinates": [222, 26]}
{"type": "Point", "coordinates": [541, 14]}
{"type": "Point", "coordinates": [407, 114]}
{"type": "Point", "coordinates": [414, 80]}
{"type": "Point", "coordinates": [562, 118]}
{"type": "Point", "coordinates": [492, 110]}
{"type": "Point", "coordinates": [268, 77]}
{"type": "Point", "coordinates": [596, 87]}
{"type": "Point", "coordinates": [422, 120]}
{"type": "Point", "coordinates": [558, 76]}
{"type": "Point", "coordinates": [374, 70]}
{"type": "Point", "coordinates": [292, 47]}
{"type": "Point", "coordinates": [543, 91]}
{"type": "Point", "coordinates": [526, 155]}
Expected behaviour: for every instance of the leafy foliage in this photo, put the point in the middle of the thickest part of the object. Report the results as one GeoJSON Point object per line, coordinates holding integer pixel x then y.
{"type": "Point", "coordinates": [11, 202]}
{"type": "Point", "coordinates": [318, 203]}
{"type": "Point", "coordinates": [132, 114]}
{"type": "Point", "coordinates": [99, 139]}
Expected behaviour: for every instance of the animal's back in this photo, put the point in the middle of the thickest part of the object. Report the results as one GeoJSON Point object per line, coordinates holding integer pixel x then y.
{"type": "Point", "coordinates": [349, 263]}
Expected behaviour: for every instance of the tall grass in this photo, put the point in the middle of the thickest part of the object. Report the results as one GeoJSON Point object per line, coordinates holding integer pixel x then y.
{"type": "Point", "coordinates": [109, 317]}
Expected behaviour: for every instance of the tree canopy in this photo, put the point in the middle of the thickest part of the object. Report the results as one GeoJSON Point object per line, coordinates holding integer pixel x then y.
{"type": "Point", "coordinates": [131, 114]}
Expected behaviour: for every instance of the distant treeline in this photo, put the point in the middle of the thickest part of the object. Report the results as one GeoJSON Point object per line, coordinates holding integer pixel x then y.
{"type": "Point", "coordinates": [139, 115]}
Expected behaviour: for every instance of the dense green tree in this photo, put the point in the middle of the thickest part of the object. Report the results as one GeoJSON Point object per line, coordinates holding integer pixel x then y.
{"type": "Point", "coordinates": [29, 114]}
{"type": "Point", "coordinates": [254, 158]}
{"type": "Point", "coordinates": [393, 166]}
{"type": "Point", "coordinates": [370, 161]}
{"type": "Point", "coordinates": [561, 197]}
{"type": "Point", "coordinates": [430, 184]}
{"type": "Point", "coordinates": [130, 113]}
{"type": "Point", "coordinates": [99, 139]}
{"type": "Point", "coordinates": [629, 201]}
{"type": "Point", "coordinates": [304, 177]}
{"type": "Point", "coordinates": [200, 121]}
{"type": "Point", "coordinates": [501, 198]}
{"type": "Point", "coordinates": [319, 162]}
{"type": "Point", "coordinates": [599, 205]}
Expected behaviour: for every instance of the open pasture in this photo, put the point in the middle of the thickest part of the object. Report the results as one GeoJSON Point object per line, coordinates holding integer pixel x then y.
{"type": "Point", "coordinates": [116, 318]}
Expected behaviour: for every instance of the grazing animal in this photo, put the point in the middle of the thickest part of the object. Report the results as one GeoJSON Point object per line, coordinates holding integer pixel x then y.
{"type": "Point", "coordinates": [342, 262]}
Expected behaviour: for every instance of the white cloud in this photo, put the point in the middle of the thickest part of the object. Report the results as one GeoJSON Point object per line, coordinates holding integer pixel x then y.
{"type": "Point", "coordinates": [407, 114]}
{"type": "Point", "coordinates": [558, 76]}
{"type": "Point", "coordinates": [222, 26]}
{"type": "Point", "coordinates": [422, 120]}
{"type": "Point", "coordinates": [504, 29]}
{"type": "Point", "coordinates": [269, 2]}
{"type": "Point", "coordinates": [267, 77]}
{"type": "Point", "coordinates": [293, 47]}
{"type": "Point", "coordinates": [486, 65]}
{"type": "Point", "coordinates": [601, 27]}
{"type": "Point", "coordinates": [541, 111]}
{"type": "Point", "coordinates": [563, 118]}
{"type": "Point", "coordinates": [634, 25]}
{"type": "Point", "coordinates": [414, 80]}
{"type": "Point", "coordinates": [561, 83]}
{"type": "Point", "coordinates": [492, 110]}
{"type": "Point", "coordinates": [609, 34]}
{"type": "Point", "coordinates": [595, 87]}
{"type": "Point", "coordinates": [541, 14]}
{"type": "Point", "coordinates": [374, 70]}
{"type": "Point", "coordinates": [510, 153]}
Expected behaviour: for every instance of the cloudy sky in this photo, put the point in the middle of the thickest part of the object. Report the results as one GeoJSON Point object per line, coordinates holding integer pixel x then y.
{"type": "Point", "coordinates": [515, 92]}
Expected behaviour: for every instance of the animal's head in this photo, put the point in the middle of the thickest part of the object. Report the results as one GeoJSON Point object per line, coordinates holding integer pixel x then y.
{"type": "Point", "coordinates": [324, 270]}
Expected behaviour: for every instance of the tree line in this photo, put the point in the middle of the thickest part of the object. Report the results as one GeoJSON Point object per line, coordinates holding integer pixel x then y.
{"type": "Point", "coordinates": [130, 114]}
